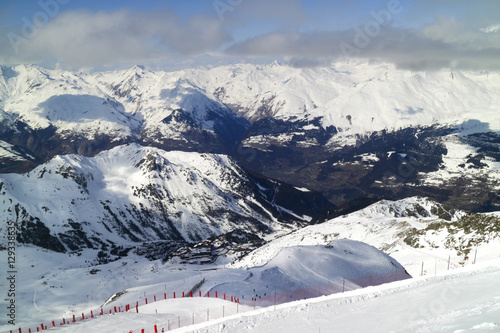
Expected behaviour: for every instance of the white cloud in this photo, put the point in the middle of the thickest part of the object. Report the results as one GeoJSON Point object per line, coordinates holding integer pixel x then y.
{"type": "Point", "coordinates": [491, 29]}
{"type": "Point", "coordinates": [83, 38]}
{"type": "Point", "coordinates": [444, 43]}
{"type": "Point", "coordinates": [461, 34]}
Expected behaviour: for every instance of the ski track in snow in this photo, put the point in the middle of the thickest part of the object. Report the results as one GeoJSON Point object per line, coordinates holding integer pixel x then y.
{"type": "Point", "coordinates": [454, 302]}
{"type": "Point", "coordinates": [462, 300]}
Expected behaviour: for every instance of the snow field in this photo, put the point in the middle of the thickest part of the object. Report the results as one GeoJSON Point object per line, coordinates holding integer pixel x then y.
{"type": "Point", "coordinates": [455, 164]}
{"type": "Point", "coordinates": [52, 287]}
{"type": "Point", "coordinates": [462, 300]}
{"type": "Point", "coordinates": [466, 299]}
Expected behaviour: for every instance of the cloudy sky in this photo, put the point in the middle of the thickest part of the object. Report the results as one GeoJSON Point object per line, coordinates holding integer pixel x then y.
{"type": "Point", "coordinates": [95, 34]}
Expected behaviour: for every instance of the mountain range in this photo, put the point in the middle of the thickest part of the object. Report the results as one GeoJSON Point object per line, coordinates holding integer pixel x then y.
{"type": "Point", "coordinates": [110, 160]}
{"type": "Point", "coordinates": [131, 195]}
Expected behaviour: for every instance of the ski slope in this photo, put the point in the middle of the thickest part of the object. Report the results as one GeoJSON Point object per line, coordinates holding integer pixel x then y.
{"type": "Point", "coordinates": [467, 299]}
{"type": "Point", "coordinates": [462, 300]}
{"type": "Point", "coordinates": [50, 285]}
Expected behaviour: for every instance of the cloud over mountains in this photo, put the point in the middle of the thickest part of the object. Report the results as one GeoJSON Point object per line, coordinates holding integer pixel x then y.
{"type": "Point", "coordinates": [417, 35]}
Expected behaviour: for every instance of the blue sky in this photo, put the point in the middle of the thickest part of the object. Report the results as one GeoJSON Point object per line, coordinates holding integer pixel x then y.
{"type": "Point", "coordinates": [420, 34]}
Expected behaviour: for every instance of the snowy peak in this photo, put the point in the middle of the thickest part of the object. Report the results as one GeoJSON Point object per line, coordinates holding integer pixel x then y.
{"type": "Point", "coordinates": [175, 112]}
{"type": "Point", "coordinates": [333, 93]}
{"type": "Point", "coordinates": [195, 102]}
{"type": "Point", "coordinates": [40, 98]}
{"type": "Point", "coordinates": [340, 95]}
{"type": "Point", "coordinates": [21, 79]}
{"type": "Point", "coordinates": [49, 112]}
{"type": "Point", "coordinates": [132, 194]}
{"type": "Point", "coordinates": [417, 207]}
{"type": "Point", "coordinates": [128, 84]}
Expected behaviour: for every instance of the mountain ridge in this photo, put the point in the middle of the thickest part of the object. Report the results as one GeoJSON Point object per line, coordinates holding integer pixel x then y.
{"type": "Point", "coordinates": [133, 194]}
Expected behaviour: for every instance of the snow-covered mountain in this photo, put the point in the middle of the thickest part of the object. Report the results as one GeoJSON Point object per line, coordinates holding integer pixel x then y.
{"type": "Point", "coordinates": [57, 285]}
{"type": "Point", "coordinates": [349, 130]}
{"type": "Point", "coordinates": [40, 99]}
{"type": "Point", "coordinates": [342, 100]}
{"type": "Point", "coordinates": [345, 98]}
{"type": "Point", "coordinates": [133, 194]}
{"type": "Point", "coordinates": [412, 230]}
{"type": "Point", "coordinates": [174, 112]}
{"type": "Point", "coordinates": [49, 112]}
{"type": "Point", "coordinates": [44, 113]}
{"type": "Point", "coordinates": [219, 177]}
{"type": "Point", "coordinates": [459, 299]}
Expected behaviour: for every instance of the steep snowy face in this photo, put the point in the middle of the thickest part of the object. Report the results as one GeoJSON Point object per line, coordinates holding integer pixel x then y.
{"type": "Point", "coordinates": [49, 112]}
{"type": "Point", "coordinates": [44, 113]}
{"type": "Point", "coordinates": [313, 105]}
{"type": "Point", "coordinates": [175, 113]}
{"type": "Point", "coordinates": [189, 108]}
{"type": "Point", "coordinates": [131, 194]}
{"type": "Point", "coordinates": [40, 99]}
{"type": "Point", "coordinates": [352, 98]}
{"type": "Point", "coordinates": [355, 97]}
{"type": "Point", "coordinates": [15, 159]}
{"type": "Point", "coordinates": [358, 129]}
